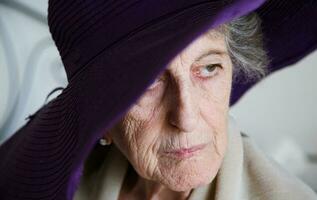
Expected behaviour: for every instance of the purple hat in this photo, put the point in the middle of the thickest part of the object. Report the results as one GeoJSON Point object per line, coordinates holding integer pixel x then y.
{"type": "Point", "coordinates": [44, 158]}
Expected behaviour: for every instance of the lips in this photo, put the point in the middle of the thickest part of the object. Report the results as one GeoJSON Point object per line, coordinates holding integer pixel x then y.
{"type": "Point", "coordinates": [183, 153]}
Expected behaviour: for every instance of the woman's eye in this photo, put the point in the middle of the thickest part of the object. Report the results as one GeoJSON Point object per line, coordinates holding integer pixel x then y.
{"type": "Point", "coordinates": [209, 70]}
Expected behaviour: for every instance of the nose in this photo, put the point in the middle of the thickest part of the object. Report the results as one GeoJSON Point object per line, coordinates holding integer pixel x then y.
{"type": "Point", "coordinates": [183, 110]}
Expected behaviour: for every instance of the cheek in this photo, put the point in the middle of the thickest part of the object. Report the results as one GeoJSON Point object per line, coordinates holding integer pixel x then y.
{"type": "Point", "coordinates": [220, 89]}
{"type": "Point", "coordinates": [214, 99]}
{"type": "Point", "coordinates": [214, 107]}
{"type": "Point", "coordinates": [138, 138]}
{"type": "Point", "coordinates": [216, 90]}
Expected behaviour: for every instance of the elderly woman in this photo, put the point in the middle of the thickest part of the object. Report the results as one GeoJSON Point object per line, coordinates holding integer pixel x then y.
{"type": "Point", "coordinates": [152, 81]}
{"type": "Point", "coordinates": [178, 141]}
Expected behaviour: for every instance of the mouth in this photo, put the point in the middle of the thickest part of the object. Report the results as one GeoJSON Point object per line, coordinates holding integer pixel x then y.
{"type": "Point", "coordinates": [184, 153]}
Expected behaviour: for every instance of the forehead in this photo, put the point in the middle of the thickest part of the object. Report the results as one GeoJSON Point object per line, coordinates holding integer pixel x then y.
{"type": "Point", "coordinates": [212, 41]}
{"type": "Point", "coordinates": [213, 38]}
{"type": "Point", "coordinates": [214, 34]}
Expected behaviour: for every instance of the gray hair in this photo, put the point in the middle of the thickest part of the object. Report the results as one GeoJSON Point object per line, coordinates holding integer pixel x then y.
{"type": "Point", "coordinates": [244, 42]}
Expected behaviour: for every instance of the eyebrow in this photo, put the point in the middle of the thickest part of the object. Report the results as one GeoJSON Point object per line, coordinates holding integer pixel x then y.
{"type": "Point", "coordinates": [211, 52]}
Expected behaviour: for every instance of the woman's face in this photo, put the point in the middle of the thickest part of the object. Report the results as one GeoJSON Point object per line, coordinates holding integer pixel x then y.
{"type": "Point", "coordinates": [175, 134]}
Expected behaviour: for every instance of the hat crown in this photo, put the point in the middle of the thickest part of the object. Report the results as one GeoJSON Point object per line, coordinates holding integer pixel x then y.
{"type": "Point", "coordinates": [83, 28]}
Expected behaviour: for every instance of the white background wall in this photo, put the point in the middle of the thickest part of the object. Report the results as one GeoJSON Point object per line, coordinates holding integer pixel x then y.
{"type": "Point", "coordinates": [30, 65]}
{"type": "Point", "coordinates": [279, 113]}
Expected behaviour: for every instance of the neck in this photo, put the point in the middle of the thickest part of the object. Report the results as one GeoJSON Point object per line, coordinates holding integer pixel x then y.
{"type": "Point", "coordinates": [136, 187]}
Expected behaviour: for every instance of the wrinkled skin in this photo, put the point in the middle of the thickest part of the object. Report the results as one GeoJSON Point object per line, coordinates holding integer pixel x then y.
{"type": "Point", "coordinates": [187, 105]}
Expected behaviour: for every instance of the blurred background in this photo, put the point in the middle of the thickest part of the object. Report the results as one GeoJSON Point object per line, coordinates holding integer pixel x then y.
{"type": "Point", "coordinates": [279, 113]}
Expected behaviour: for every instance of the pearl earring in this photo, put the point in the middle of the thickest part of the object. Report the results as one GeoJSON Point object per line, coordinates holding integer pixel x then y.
{"type": "Point", "coordinates": [104, 142]}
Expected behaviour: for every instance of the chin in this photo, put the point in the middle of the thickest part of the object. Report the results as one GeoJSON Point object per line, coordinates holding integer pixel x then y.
{"type": "Point", "coordinates": [186, 183]}
{"type": "Point", "coordinates": [187, 176]}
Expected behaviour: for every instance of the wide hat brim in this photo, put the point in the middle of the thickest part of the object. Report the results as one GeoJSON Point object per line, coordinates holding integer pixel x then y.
{"type": "Point", "coordinates": [45, 158]}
